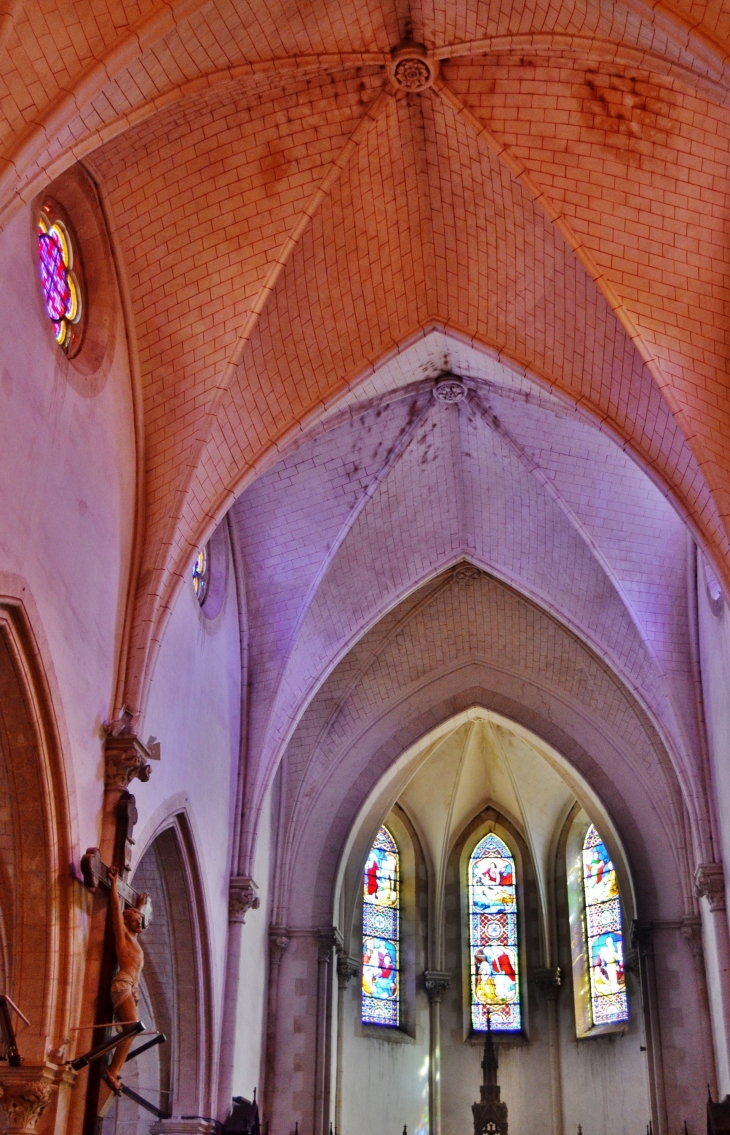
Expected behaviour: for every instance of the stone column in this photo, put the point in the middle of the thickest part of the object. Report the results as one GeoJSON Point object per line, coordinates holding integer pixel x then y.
{"type": "Point", "coordinates": [691, 932]}
{"type": "Point", "coordinates": [436, 983]}
{"type": "Point", "coordinates": [347, 968]}
{"type": "Point", "coordinates": [329, 939]}
{"type": "Point", "coordinates": [548, 981]}
{"type": "Point", "coordinates": [642, 941]}
{"type": "Point", "coordinates": [278, 941]}
{"type": "Point", "coordinates": [710, 887]}
{"type": "Point", "coordinates": [242, 897]}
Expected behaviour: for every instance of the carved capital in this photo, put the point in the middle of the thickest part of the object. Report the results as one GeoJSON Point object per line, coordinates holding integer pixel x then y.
{"type": "Point", "coordinates": [279, 939]}
{"type": "Point", "coordinates": [328, 939]}
{"type": "Point", "coordinates": [25, 1093]}
{"type": "Point", "coordinates": [125, 758]}
{"type": "Point", "coordinates": [347, 967]}
{"type": "Point", "coordinates": [710, 885]}
{"type": "Point", "coordinates": [242, 898]}
{"type": "Point", "coordinates": [548, 979]}
{"type": "Point", "coordinates": [436, 983]}
{"type": "Point", "coordinates": [632, 961]}
{"type": "Point", "coordinates": [691, 931]}
{"type": "Point", "coordinates": [642, 937]}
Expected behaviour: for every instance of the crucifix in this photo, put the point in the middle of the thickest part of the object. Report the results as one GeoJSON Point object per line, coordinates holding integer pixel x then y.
{"type": "Point", "coordinates": [126, 916]}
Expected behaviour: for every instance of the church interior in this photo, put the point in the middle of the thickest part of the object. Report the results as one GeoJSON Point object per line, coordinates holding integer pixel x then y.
{"type": "Point", "coordinates": [364, 567]}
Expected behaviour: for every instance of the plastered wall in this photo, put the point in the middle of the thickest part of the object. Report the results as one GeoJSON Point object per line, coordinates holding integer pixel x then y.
{"type": "Point", "coordinates": [67, 469]}
{"type": "Point", "coordinates": [194, 710]}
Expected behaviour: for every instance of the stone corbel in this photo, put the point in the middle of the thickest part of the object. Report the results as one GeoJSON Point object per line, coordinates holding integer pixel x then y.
{"type": "Point", "coordinates": [710, 885]}
{"type": "Point", "coordinates": [26, 1092]}
{"type": "Point", "coordinates": [125, 756]}
{"type": "Point", "coordinates": [436, 982]}
{"type": "Point", "coordinates": [242, 898]}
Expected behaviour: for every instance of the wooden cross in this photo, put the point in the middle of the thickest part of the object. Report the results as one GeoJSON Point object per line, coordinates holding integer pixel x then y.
{"type": "Point", "coordinates": [96, 874]}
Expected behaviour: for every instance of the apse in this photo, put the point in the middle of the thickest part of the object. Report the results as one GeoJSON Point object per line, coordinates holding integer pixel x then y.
{"type": "Point", "coordinates": [482, 798]}
{"type": "Point", "coordinates": [468, 610]}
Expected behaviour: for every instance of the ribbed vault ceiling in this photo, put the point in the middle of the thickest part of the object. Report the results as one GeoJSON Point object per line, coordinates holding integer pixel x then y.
{"type": "Point", "coordinates": [283, 224]}
{"type": "Point", "coordinates": [381, 498]}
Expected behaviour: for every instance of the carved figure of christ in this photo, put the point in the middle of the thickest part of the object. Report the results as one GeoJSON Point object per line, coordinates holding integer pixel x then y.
{"type": "Point", "coordinates": [125, 984]}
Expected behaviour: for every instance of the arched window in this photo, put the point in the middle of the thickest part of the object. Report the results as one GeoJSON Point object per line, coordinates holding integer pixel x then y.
{"type": "Point", "coordinates": [380, 933]}
{"type": "Point", "coordinates": [603, 934]}
{"type": "Point", "coordinates": [493, 947]}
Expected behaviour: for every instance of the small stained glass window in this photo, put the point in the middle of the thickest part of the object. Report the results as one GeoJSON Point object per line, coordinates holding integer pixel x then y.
{"type": "Point", "coordinates": [380, 933]}
{"type": "Point", "coordinates": [60, 286]}
{"type": "Point", "coordinates": [201, 574]}
{"type": "Point", "coordinates": [604, 934]}
{"type": "Point", "coordinates": [493, 946]}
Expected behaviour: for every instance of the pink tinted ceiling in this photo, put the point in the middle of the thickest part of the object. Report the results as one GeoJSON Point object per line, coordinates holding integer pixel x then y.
{"type": "Point", "coordinates": [384, 496]}
{"type": "Point", "coordinates": [249, 166]}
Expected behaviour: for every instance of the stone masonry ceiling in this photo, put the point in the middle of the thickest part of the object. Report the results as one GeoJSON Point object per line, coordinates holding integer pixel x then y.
{"type": "Point", "coordinates": [287, 218]}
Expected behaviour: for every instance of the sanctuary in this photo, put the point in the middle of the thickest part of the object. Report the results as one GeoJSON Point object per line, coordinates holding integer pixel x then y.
{"type": "Point", "coordinates": [364, 567]}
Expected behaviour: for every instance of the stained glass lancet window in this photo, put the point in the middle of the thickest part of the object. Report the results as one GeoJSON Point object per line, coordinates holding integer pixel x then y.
{"type": "Point", "coordinates": [604, 936]}
{"type": "Point", "coordinates": [493, 946]}
{"type": "Point", "coordinates": [61, 292]}
{"type": "Point", "coordinates": [381, 933]}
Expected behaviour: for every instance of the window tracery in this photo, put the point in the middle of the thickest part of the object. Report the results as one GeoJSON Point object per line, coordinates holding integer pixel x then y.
{"type": "Point", "coordinates": [493, 937]}
{"type": "Point", "coordinates": [59, 283]}
{"type": "Point", "coordinates": [381, 933]}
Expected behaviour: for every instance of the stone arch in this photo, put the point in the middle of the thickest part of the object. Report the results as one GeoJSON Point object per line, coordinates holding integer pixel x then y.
{"type": "Point", "coordinates": [37, 920]}
{"type": "Point", "coordinates": [176, 995]}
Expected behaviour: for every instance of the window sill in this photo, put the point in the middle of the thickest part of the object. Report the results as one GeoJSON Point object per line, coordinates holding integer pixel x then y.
{"type": "Point", "coordinates": [390, 1035]}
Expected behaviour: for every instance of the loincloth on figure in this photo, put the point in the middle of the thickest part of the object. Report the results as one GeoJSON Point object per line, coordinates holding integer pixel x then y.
{"type": "Point", "coordinates": [123, 986]}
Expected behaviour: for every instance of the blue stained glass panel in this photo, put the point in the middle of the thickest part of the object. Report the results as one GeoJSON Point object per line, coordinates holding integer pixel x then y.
{"type": "Point", "coordinates": [604, 934]}
{"type": "Point", "coordinates": [381, 933]}
{"type": "Point", "coordinates": [493, 944]}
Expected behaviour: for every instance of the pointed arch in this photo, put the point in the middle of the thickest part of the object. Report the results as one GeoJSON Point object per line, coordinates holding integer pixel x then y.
{"type": "Point", "coordinates": [381, 933]}
{"type": "Point", "coordinates": [494, 967]}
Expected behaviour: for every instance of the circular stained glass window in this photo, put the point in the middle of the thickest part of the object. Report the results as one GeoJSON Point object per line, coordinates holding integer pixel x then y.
{"type": "Point", "coordinates": [201, 575]}
{"type": "Point", "coordinates": [61, 291]}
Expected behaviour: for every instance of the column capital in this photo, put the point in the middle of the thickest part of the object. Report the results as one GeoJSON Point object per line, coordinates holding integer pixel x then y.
{"type": "Point", "coordinates": [328, 939]}
{"type": "Point", "coordinates": [26, 1092]}
{"type": "Point", "coordinates": [279, 939]}
{"type": "Point", "coordinates": [347, 968]}
{"type": "Point", "coordinates": [691, 931]}
{"type": "Point", "coordinates": [548, 979]}
{"type": "Point", "coordinates": [436, 983]}
{"type": "Point", "coordinates": [242, 897]}
{"type": "Point", "coordinates": [710, 885]}
{"type": "Point", "coordinates": [642, 936]}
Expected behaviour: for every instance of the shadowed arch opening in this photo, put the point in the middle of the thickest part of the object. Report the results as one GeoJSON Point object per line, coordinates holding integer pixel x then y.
{"type": "Point", "coordinates": [37, 921]}
{"type": "Point", "coordinates": [175, 990]}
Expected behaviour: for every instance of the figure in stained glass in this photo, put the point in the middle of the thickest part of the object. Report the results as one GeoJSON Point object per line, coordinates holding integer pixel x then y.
{"type": "Point", "coordinates": [380, 928]}
{"type": "Point", "coordinates": [604, 935]}
{"type": "Point", "coordinates": [495, 991]}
